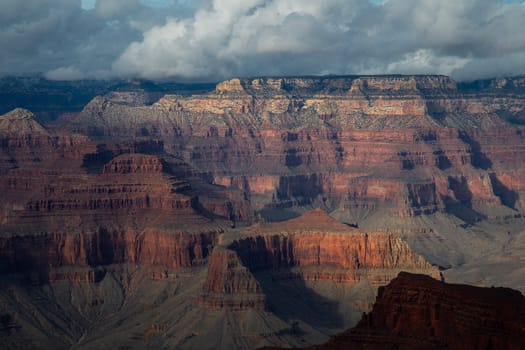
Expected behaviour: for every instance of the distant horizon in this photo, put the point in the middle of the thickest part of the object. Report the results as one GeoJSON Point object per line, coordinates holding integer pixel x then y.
{"type": "Point", "coordinates": [42, 76]}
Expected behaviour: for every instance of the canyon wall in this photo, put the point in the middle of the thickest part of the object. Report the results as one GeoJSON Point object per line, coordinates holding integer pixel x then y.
{"type": "Point", "coordinates": [255, 149]}
{"type": "Point", "coordinates": [53, 250]}
{"type": "Point", "coordinates": [341, 251]}
{"type": "Point", "coordinates": [396, 144]}
{"type": "Point", "coordinates": [67, 201]}
{"type": "Point", "coordinates": [311, 248]}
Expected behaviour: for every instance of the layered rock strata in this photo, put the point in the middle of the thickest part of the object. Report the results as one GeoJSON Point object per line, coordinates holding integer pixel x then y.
{"type": "Point", "coordinates": [24, 142]}
{"type": "Point", "coordinates": [323, 248]}
{"type": "Point", "coordinates": [173, 185]}
{"type": "Point", "coordinates": [50, 250]}
{"type": "Point", "coordinates": [311, 248]}
{"type": "Point", "coordinates": [121, 216]}
{"type": "Point", "coordinates": [396, 144]}
{"type": "Point", "coordinates": [67, 202]}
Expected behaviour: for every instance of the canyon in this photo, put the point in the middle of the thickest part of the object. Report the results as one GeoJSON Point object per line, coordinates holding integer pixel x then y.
{"type": "Point", "coordinates": [263, 212]}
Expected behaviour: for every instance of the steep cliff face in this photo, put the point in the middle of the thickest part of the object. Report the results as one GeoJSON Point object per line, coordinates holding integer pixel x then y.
{"type": "Point", "coordinates": [459, 316]}
{"type": "Point", "coordinates": [323, 248]}
{"type": "Point", "coordinates": [104, 247]}
{"type": "Point", "coordinates": [380, 102]}
{"type": "Point", "coordinates": [418, 312]}
{"type": "Point", "coordinates": [355, 251]}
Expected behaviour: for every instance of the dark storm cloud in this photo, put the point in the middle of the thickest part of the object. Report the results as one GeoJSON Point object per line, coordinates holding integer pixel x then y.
{"type": "Point", "coordinates": [222, 38]}
{"type": "Point", "coordinates": [59, 38]}
{"type": "Point", "coordinates": [55, 34]}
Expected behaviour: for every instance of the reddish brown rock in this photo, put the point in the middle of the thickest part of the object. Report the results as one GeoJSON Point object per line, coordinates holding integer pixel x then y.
{"type": "Point", "coordinates": [134, 164]}
{"type": "Point", "coordinates": [354, 144]}
{"type": "Point", "coordinates": [134, 211]}
{"type": "Point", "coordinates": [54, 250]}
{"type": "Point", "coordinates": [311, 248]}
{"type": "Point", "coordinates": [418, 312]}
{"type": "Point", "coordinates": [24, 142]}
{"type": "Point", "coordinates": [229, 284]}
{"type": "Point", "coordinates": [371, 150]}
{"type": "Point", "coordinates": [317, 240]}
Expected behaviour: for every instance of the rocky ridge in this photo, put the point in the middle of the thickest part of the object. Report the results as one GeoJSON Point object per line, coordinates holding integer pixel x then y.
{"type": "Point", "coordinates": [21, 121]}
{"type": "Point", "coordinates": [418, 312]}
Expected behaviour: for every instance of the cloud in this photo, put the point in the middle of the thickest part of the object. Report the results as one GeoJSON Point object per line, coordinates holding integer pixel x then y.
{"type": "Point", "coordinates": [212, 40]}
{"type": "Point", "coordinates": [252, 37]}
{"type": "Point", "coordinates": [57, 37]}
{"type": "Point", "coordinates": [114, 8]}
{"type": "Point", "coordinates": [45, 35]}
{"type": "Point", "coordinates": [66, 73]}
{"type": "Point", "coordinates": [466, 38]}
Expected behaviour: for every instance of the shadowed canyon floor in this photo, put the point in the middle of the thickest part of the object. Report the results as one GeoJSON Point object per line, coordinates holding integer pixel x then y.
{"type": "Point", "coordinates": [266, 212]}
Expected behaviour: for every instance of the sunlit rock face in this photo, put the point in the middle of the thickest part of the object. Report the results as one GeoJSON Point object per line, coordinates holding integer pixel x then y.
{"type": "Point", "coordinates": [312, 248]}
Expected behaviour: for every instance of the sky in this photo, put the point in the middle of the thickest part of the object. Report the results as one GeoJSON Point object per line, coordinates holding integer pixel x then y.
{"type": "Point", "coordinates": [211, 40]}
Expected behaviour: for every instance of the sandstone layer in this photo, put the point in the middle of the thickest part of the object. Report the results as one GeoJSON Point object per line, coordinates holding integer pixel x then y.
{"type": "Point", "coordinates": [317, 240]}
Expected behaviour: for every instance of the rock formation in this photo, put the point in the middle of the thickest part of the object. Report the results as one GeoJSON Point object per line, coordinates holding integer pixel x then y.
{"type": "Point", "coordinates": [311, 248]}
{"type": "Point", "coordinates": [69, 202]}
{"type": "Point", "coordinates": [52, 250]}
{"type": "Point", "coordinates": [229, 284]}
{"type": "Point", "coordinates": [394, 144]}
{"type": "Point", "coordinates": [317, 240]}
{"type": "Point", "coordinates": [418, 312]}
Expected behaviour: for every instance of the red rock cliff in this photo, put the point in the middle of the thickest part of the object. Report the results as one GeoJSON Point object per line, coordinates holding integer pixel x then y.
{"type": "Point", "coordinates": [418, 312]}
{"type": "Point", "coordinates": [48, 250]}
{"type": "Point", "coordinates": [313, 247]}
{"type": "Point", "coordinates": [317, 240]}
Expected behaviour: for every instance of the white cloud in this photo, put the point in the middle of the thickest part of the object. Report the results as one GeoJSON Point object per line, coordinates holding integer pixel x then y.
{"type": "Point", "coordinates": [204, 39]}
{"type": "Point", "coordinates": [259, 37]}
{"type": "Point", "coordinates": [236, 37]}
